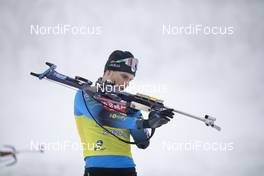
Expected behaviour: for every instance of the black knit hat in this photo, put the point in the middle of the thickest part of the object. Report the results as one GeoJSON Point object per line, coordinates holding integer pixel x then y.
{"type": "Point", "coordinates": [121, 61]}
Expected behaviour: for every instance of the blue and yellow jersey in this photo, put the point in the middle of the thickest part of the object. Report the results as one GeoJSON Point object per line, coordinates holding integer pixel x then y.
{"type": "Point", "coordinates": [101, 149]}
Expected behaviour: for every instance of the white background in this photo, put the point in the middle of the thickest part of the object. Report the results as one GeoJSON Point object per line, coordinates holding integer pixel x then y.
{"type": "Point", "coordinates": [216, 74]}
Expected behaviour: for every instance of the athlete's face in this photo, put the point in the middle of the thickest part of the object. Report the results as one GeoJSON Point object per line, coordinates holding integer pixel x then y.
{"type": "Point", "coordinates": [121, 79]}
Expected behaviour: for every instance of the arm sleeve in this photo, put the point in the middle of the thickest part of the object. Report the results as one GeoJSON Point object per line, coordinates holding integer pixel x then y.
{"type": "Point", "coordinates": [140, 135]}
{"type": "Point", "coordinates": [95, 111]}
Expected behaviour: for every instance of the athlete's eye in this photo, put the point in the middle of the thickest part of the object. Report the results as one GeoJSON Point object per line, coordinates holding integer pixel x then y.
{"type": "Point", "coordinates": [124, 77]}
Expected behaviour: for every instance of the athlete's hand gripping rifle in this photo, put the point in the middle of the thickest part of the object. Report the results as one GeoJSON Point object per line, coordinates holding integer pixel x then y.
{"type": "Point", "coordinates": [147, 103]}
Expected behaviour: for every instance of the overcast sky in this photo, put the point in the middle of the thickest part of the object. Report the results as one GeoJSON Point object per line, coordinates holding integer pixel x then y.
{"type": "Point", "coordinates": [203, 73]}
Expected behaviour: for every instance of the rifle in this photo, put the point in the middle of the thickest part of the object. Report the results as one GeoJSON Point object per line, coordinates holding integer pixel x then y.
{"type": "Point", "coordinates": [118, 101]}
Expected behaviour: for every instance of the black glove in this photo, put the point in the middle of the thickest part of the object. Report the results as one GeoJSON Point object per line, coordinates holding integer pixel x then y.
{"type": "Point", "coordinates": [156, 119]}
